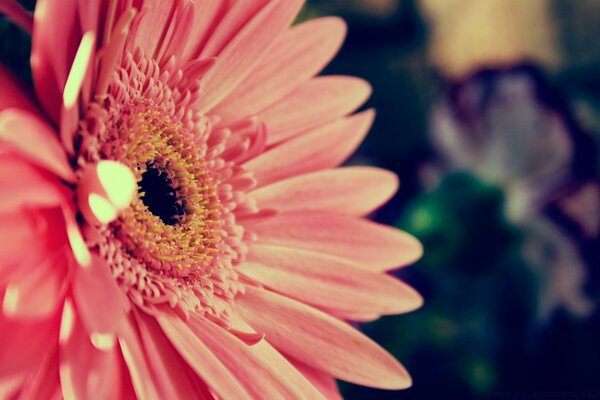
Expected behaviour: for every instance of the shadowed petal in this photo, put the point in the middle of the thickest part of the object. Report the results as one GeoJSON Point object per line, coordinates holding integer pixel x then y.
{"type": "Point", "coordinates": [36, 140]}
{"type": "Point", "coordinates": [322, 341]}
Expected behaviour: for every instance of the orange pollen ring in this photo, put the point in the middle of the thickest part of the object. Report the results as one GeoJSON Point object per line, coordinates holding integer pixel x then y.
{"type": "Point", "coordinates": [149, 139]}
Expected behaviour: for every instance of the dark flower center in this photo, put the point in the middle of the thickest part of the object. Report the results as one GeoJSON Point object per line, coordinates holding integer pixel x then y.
{"type": "Point", "coordinates": [160, 196]}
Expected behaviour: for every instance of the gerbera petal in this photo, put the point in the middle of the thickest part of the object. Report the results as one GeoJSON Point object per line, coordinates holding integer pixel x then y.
{"type": "Point", "coordinates": [313, 104]}
{"type": "Point", "coordinates": [327, 281]}
{"type": "Point", "coordinates": [133, 354]}
{"type": "Point", "coordinates": [36, 140]}
{"type": "Point", "coordinates": [24, 184]}
{"type": "Point", "coordinates": [24, 344]}
{"type": "Point", "coordinates": [38, 293]}
{"type": "Point", "coordinates": [14, 93]}
{"type": "Point", "coordinates": [261, 372]}
{"type": "Point", "coordinates": [321, 148]}
{"type": "Point", "coordinates": [201, 359]}
{"type": "Point", "coordinates": [85, 371]}
{"type": "Point", "coordinates": [321, 341]}
{"type": "Point", "coordinates": [44, 383]}
{"type": "Point", "coordinates": [17, 14]}
{"type": "Point", "coordinates": [53, 48]}
{"type": "Point", "coordinates": [170, 370]}
{"type": "Point", "coordinates": [350, 190]}
{"type": "Point", "coordinates": [298, 54]}
{"type": "Point", "coordinates": [322, 381]}
{"type": "Point", "coordinates": [367, 244]}
{"type": "Point", "coordinates": [244, 51]}
{"type": "Point", "coordinates": [99, 301]}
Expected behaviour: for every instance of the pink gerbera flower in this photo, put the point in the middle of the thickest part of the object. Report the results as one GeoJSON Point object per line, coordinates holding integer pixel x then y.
{"type": "Point", "coordinates": [172, 223]}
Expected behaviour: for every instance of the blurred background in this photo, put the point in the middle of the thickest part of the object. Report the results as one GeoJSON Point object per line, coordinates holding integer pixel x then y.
{"type": "Point", "coordinates": [489, 111]}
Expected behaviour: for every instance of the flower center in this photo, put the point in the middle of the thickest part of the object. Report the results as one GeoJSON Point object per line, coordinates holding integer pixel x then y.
{"type": "Point", "coordinates": [159, 195]}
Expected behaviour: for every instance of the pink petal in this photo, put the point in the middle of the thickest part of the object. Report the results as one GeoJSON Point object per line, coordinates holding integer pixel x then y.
{"type": "Point", "coordinates": [36, 140]}
{"type": "Point", "coordinates": [38, 293]}
{"type": "Point", "coordinates": [99, 301]}
{"type": "Point", "coordinates": [24, 344]}
{"type": "Point", "coordinates": [367, 244]}
{"type": "Point", "coordinates": [17, 14]}
{"type": "Point", "coordinates": [14, 93]}
{"type": "Point", "coordinates": [321, 341]}
{"type": "Point", "coordinates": [322, 148]}
{"type": "Point", "coordinates": [29, 238]}
{"type": "Point", "coordinates": [201, 359]}
{"type": "Point", "coordinates": [85, 371]}
{"type": "Point", "coordinates": [327, 281]}
{"type": "Point", "coordinates": [318, 101]}
{"type": "Point", "coordinates": [134, 356]}
{"type": "Point", "coordinates": [322, 381]}
{"type": "Point", "coordinates": [53, 48]}
{"type": "Point", "coordinates": [297, 55]}
{"type": "Point", "coordinates": [79, 74]}
{"type": "Point", "coordinates": [154, 24]}
{"type": "Point", "coordinates": [171, 373]}
{"type": "Point", "coordinates": [245, 50]}
{"type": "Point", "coordinates": [24, 184]}
{"type": "Point", "coordinates": [226, 23]}
{"type": "Point", "coordinates": [350, 190]}
{"type": "Point", "coordinates": [44, 382]}
{"type": "Point", "coordinates": [260, 370]}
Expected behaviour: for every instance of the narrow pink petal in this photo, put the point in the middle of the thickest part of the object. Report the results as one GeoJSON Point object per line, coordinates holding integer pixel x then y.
{"type": "Point", "coordinates": [24, 184]}
{"type": "Point", "coordinates": [201, 359]}
{"type": "Point", "coordinates": [227, 22]}
{"type": "Point", "coordinates": [321, 341]}
{"type": "Point", "coordinates": [15, 94]}
{"type": "Point", "coordinates": [369, 245]}
{"type": "Point", "coordinates": [327, 281]}
{"type": "Point", "coordinates": [322, 381]}
{"type": "Point", "coordinates": [298, 54]}
{"type": "Point", "coordinates": [141, 378]}
{"type": "Point", "coordinates": [264, 375]}
{"type": "Point", "coordinates": [85, 371]}
{"type": "Point", "coordinates": [17, 232]}
{"type": "Point", "coordinates": [44, 382]}
{"type": "Point", "coordinates": [24, 344]}
{"type": "Point", "coordinates": [30, 238]}
{"type": "Point", "coordinates": [350, 190]}
{"type": "Point", "coordinates": [207, 15]}
{"type": "Point", "coordinates": [169, 369]}
{"type": "Point", "coordinates": [156, 19]}
{"type": "Point", "coordinates": [245, 50]}
{"type": "Point", "coordinates": [17, 14]}
{"type": "Point", "coordinates": [318, 101]}
{"type": "Point", "coordinates": [79, 72]}
{"type": "Point", "coordinates": [39, 293]}
{"type": "Point", "coordinates": [36, 140]}
{"type": "Point", "coordinates": [53, 48]}
{"type": "Point", "coordinates": [98, 299]}
{"type": "Point", "coordinates": [322, 148]}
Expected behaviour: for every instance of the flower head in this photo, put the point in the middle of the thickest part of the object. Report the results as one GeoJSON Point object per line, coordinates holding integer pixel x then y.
{"type": "Point", "coordinates": [173, 222]}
